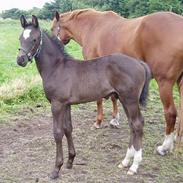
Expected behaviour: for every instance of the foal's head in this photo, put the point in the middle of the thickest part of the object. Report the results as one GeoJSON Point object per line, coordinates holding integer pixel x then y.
{"type": "Point", "coordinates": [30, 41]}
{"type": "Point", "coordinates": [59, 27]}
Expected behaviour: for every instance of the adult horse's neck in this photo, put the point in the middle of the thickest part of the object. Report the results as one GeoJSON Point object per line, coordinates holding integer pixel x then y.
{"type": "Point", "coordinates": [48, 58]}
{"type": "Point", "coordinates": [80, 27]}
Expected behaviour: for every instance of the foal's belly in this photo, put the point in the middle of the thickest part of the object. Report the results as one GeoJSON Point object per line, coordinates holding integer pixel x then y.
{"type": "Point", "coordinates": [90, 93]}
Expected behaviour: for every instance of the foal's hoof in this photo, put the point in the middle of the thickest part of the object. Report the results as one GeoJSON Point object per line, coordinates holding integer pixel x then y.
{"type": "Point", "coordinates": [130, 172]}
{"type": "Point", "coordinates": [121, 166]}
{"type": "Point", "coordinates": [54, 175]}
{"type": "Point", "coordinates": [69, 165]}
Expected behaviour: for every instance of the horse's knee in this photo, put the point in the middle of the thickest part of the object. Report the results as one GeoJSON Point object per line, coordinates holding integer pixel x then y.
{"type": "Point", "coordinates": [58, 135]}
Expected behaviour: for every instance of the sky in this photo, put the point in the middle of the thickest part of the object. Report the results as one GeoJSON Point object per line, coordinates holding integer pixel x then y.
{"type": "Point", "coordinates": [21, 4]}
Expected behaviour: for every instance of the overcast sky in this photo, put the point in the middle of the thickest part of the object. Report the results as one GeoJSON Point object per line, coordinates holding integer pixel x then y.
{"type": "Point", "coordinates": [21, 4]}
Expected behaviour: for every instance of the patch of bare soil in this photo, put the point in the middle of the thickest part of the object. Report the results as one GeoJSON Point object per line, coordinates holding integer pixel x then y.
{"type": "Point", "coordinates": [27, 149]}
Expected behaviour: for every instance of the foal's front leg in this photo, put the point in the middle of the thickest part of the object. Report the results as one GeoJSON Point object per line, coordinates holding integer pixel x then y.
{"type": "Point", "coordinates": [58, 112]}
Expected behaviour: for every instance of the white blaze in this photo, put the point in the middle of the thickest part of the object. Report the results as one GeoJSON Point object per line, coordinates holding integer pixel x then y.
{"type": "Point", "coordinates": [26, 33]}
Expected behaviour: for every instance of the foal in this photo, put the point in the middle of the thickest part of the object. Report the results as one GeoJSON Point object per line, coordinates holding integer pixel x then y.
{"type": "Point", "coordinates": [67, 81]}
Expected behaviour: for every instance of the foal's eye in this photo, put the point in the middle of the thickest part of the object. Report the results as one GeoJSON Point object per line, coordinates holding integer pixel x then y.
{"type": "Point", "coordinates": [34, 40]}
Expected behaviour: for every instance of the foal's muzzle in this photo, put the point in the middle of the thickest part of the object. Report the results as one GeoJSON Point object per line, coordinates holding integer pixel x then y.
{"type": "Point", "coordinates": [66, 41]}
{"type": "Point", "coordinates": [22, 60]}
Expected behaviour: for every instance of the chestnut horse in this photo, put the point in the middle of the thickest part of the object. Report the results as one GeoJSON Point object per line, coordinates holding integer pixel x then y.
{"type": "Point", "coordinates": [67, 81]}
{"type": "Point", "coordinates": [156, 38]}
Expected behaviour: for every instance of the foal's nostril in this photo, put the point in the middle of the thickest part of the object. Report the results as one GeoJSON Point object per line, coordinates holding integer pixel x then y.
{"type": "Point", "coordinates": [20, 60]}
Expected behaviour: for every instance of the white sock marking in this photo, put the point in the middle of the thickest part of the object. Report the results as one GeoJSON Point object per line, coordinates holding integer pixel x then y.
{"type": "Point", "coordinates": [115, 121]}
{"type": "Point", "coordinates": [136, 161]}
{"type": "Point", "coordinates": [129, 154]}
{"type": "Point", "coordinates": [167, 144]}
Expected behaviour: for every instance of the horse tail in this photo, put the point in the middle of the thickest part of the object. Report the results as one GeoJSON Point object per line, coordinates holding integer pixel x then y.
{"type": "Point", "coordinates": [145, 90]}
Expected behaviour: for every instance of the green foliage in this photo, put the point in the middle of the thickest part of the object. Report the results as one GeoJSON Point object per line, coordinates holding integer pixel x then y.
{"type": "Point", "coordinates": [13, 13]}
{"type": "Point", "coordinates": [167, 5]}
{"type": "Point", "coordinates": [126, 8]}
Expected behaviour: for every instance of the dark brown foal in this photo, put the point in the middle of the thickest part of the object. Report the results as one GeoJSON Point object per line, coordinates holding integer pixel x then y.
{"type": "Point", "coordinates": [67, 81]}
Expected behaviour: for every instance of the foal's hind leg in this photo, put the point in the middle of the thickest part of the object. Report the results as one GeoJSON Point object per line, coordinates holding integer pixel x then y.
{"type": "Point", "coordinates": [115, 121]}
{"type": "Point", "coordinates": [68, 133]}
{"type": "Point", "coordinates": [136, 123]}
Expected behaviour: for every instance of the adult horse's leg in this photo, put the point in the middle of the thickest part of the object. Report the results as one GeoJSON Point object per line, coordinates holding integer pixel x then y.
{"type": "Point", "coordinates": [68, 133]}
{"type": "Point", "coordinates": [100, 117]}
{"type": "Point", "coordinates": [180, 122]}
{"type": "Point", "coordinates": [58, 111]}
{"type": "Point", "coordinates": [115, 121]}
{"type": "Point", "coordinates": [136, 123]}
{"type": "Point", "coordinates": [166, 95]}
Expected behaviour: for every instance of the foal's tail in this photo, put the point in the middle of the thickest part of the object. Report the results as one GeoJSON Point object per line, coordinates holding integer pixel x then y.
{"type": "Point", "coordinates": [145, 90]}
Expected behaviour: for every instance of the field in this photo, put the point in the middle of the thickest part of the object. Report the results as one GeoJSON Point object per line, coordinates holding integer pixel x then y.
{"type": "Point", "coordinates": [27, 148]}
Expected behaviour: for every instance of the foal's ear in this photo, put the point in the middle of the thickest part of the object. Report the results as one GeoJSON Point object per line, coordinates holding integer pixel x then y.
{"type": "Point", "coordinates": [57, 16]}
{"type": "Point", "coordinates": [23, 21]}
{"type": "Point", "coordinates": [35, 21]}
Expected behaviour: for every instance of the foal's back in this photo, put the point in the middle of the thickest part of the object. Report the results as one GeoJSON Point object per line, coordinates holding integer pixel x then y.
{"type": "Point", "coordinates": [98, 78]}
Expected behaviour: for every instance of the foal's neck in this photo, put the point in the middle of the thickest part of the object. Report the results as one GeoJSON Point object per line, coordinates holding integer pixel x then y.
{"type": "Point", "coordinates": [49, 57]}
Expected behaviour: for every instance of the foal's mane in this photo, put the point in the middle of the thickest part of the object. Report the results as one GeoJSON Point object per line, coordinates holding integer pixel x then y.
{"type": "Point", "coordinates": [57, 43]}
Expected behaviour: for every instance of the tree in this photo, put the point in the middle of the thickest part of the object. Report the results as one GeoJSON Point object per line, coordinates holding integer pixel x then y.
{"type": "Point", "coordinates": [126, 8]}
{"type": "Point", "coordinates": [167, 5]}
{"type": "Point", "coordinates": [13, 13]}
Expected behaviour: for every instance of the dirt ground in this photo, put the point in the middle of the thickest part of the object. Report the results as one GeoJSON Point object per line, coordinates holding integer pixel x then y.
{"type": "Point", "coordinates": [27, 149]}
